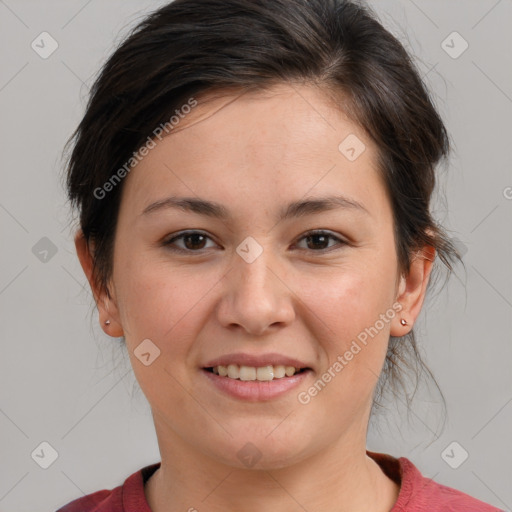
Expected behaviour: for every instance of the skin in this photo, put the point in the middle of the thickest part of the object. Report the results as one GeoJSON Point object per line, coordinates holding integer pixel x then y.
{"type": "Point", "coordinates": [254, 153]}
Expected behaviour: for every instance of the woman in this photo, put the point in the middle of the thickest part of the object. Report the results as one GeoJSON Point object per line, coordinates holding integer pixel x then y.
{"type": "Point", "coordinates": [253, 179]}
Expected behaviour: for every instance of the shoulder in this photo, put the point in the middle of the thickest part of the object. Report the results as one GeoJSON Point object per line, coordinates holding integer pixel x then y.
{"type": "Point", "coordinates": [424, 494]}
{"type": "Point", "coordinates": [126, 497]}
{"type": "Point", "coordinates": [449, 499]}
{"type": "Point", "coordinates": [100, 501]}
{"type": "Point", "coordinates": [420, 494]}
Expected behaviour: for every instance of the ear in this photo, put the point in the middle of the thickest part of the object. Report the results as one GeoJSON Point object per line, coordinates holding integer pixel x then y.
{"type": "Point", "coordinates": [412, 289]}
{"type": "Point", "coordinates": [107, 306]}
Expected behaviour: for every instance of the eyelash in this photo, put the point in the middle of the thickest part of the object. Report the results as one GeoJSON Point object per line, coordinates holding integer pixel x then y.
{"type": "Point", "coordinates": [168, 243]}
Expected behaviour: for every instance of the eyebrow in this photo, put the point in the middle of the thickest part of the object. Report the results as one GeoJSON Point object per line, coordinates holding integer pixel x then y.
{"type": "Point", "coordinates": [219, 211]}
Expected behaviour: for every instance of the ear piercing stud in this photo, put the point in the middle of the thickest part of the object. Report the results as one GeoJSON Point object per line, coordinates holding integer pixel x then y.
{"type": "Point", "coordinates": [107, 322]}
{"type": "Point", "coordinates": [403, 321]}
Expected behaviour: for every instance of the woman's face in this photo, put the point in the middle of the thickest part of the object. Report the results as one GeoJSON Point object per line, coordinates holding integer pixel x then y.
{"type": "Point", "coordinates": [253, 283]}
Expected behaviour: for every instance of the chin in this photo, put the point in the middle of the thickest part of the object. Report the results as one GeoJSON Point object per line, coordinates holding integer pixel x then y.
{"type": "Point", "coordinates": [262, 451]}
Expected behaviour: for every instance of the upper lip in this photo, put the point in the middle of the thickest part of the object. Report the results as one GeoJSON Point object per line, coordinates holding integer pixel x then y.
{"type": "Point", "coordinates": [256, 361]}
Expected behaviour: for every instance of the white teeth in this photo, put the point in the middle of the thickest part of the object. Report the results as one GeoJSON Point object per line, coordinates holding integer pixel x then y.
{"type": "Point", "coordinates": [263, 373]}
{"type": "Point", "coordinates": [279, 371]}
{"type": "Point", "coordinates": [233, 371]}
{"type": "Point", "coordinates": [289, 370]}
{"type": "Point", "coordinates": [247, 373]}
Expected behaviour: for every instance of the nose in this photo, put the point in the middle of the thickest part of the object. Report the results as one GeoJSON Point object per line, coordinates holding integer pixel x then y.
{"type": "Point", "coordinates": [255, 296]}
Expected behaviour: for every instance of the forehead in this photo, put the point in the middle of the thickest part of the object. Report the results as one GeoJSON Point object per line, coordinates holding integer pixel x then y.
{"type": "Point", "coordinates": [284, 116]}
{"type": "Point", "coordinates": [288, 139]}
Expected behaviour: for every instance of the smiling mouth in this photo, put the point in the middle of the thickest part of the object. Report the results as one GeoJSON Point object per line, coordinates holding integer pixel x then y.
{"type": "Point", "coordinates": [251, 373]}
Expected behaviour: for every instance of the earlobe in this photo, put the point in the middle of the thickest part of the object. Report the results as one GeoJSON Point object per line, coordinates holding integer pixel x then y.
{"type": "Point", "coordinates": [107, 316]}
{"type": "Point", "coordinates": [412, 290]}
{"type": "Point", "coordinates": [109, 322]}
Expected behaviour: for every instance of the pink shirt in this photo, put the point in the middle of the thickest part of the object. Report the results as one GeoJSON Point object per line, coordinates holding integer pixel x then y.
{"type": "Point", "coordinates": [417, 493]}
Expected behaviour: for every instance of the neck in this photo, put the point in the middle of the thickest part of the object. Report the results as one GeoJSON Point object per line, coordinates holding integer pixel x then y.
{"type": "Point", "coordinates": [341, 477]}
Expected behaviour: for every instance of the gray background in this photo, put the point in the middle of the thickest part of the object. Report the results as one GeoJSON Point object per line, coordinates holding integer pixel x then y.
{"type": "Point", "coordinates": [65, 382]}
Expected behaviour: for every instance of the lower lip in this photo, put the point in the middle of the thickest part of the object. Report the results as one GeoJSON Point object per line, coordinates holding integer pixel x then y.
{"type": "Point", "coordinates": [255, 390]}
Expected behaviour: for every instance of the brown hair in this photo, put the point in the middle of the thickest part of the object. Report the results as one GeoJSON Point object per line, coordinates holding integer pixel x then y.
{"type": "Point", "coordinates": [190, 47]}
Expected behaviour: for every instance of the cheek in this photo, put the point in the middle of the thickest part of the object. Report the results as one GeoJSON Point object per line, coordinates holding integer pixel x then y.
{"type": "Point", "coordinates": [350, 300]}
{"type": "Point", "coordinates": [147, 300]}
{"type": "Point", "coordinates": [354, 313]}
{"type": "Point", "coordinates": [168, 305]}
{"type": "Point", "coordinates": [153, 294]}
{"type": "Point", "coordinates": [163, 306]}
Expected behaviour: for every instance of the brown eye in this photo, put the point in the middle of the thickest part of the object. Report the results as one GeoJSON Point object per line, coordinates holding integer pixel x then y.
{"type": "Point", "coordinates": [318, 241]}
{"type": "Point", "coordinates": [193, 241]}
